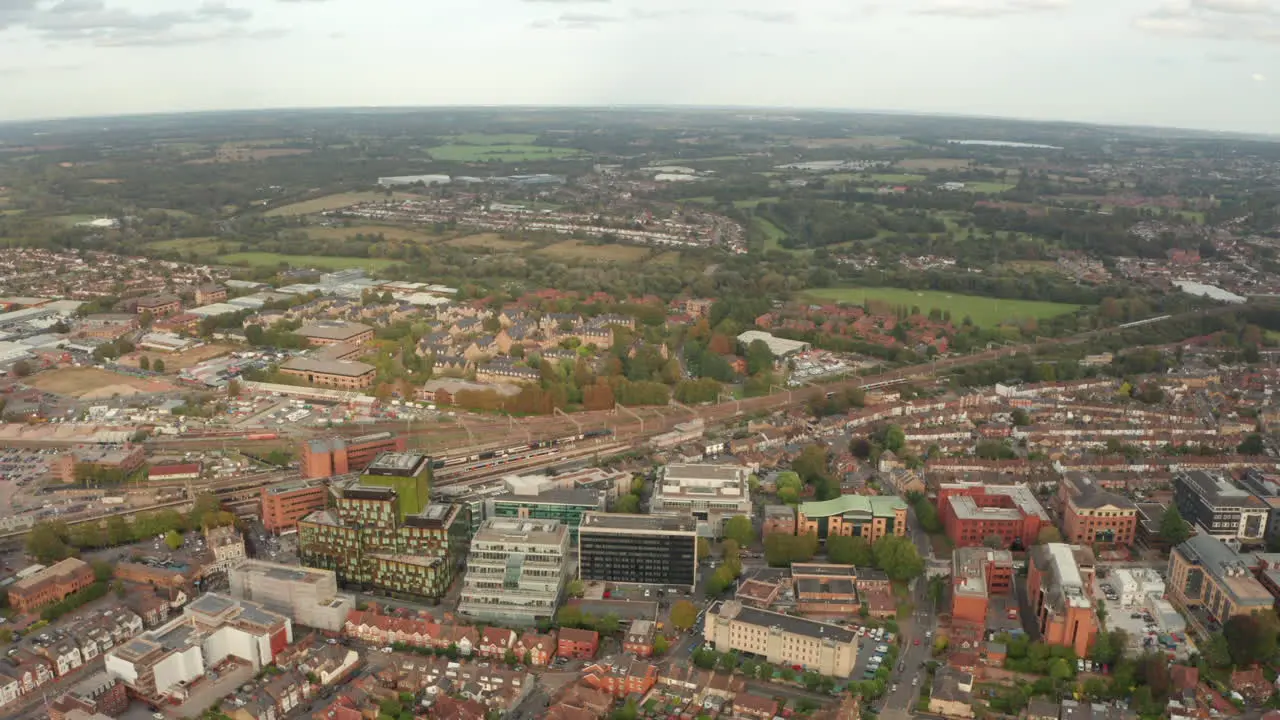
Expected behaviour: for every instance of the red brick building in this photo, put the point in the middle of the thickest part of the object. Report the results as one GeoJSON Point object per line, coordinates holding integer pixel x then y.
{"type": "Point", "coordinates": [1060, 588]}
{"type": "Point", "coordinates": [50, 585]}
{"type": "Point", "coordinates": [778, 519]}
{"type": "Point", "coordinates": [1092, 515]}
{"type": "Point", "coordinates": [757, 707]}
{"type": "Point", "coordinates": [284, 504]}
{"type": "Point", "coordinates": [338, 456]}
{"type": "Point", "coordinates": [538, 650]}
{"type": "Point", "coordinates": [977, 573]}
{"type": "Point", "coordinates": [335, 333]}
{"type": "Point", "coordinates": [971, 513]}
{"type": "Point", "coordinates": [640, 638]}
{"type": "Point", "coordinates": [97, 694]}
{"type": "Point", "coordinates": [159, 305]}
{"type": "Point", "coordinates": [623, 679]}
{"type": "Point", "coordinates": [577, 644]}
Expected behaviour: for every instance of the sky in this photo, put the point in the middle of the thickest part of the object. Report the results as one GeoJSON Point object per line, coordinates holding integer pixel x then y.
{"type": "Point", "coordinates": [1207, 64]}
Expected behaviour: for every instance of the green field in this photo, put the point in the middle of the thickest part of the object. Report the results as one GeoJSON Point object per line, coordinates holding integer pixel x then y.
{"type": "Point", "coordinates": [327, 262]}
{"type": "Point", "coordinates": [333, 202]}
{"type": "Point", "coordinates": [494, 138]}
{"type": "Point", "coordinates": [498, 153]}
{"type": "Point", "coordinates": [199, 245]}
{"type": "Point", "coordinates": [897, 178]}
{"type": "Point", "coordinates": [985, 311]}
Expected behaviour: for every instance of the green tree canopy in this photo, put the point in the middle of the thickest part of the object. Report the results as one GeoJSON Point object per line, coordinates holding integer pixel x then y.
{"type": "Point", "coordinates": [684, 614]}
{"type": "Point", "coordinates": [739, 529]}
{"type": "Point", "coordinates": [1173, 529]}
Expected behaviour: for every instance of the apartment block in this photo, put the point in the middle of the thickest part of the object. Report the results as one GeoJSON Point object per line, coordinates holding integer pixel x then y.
{"type": "Point", "coordinates": [50, 585]}
{"type": "Point", "coordinates": [516, 571]}
{"type": "Point", "coordinates": [284, 504]}
{"type": "Point", "coordinates": [711, 493]}
{"type": "Point", "coordinates": [781, 639]}
{"type": "Point", "coordinates": [869, 517]}
{"type": "Point", "coordinates": [308, 596]}
{"type": "Point", "coordinates": [372, 544]}
{"type": "Point", "coordinates": [1214, 582]}
{"type": "Point", "coordinates": [1219, 507]}
{"type": "Point", "coordinates": [641, 549]}
{"type": "Point", "coordinates": [159, 305]}
{"type": "Point", "coordinates": [161, 663]}
{"type": "Point", "coordinates": [327, 457]}
{"type": "Point", "coordinates": [973, 512]}
{"type": "Point", "coordinates": [1060, 590]}
{"type": "Point", "coordinates": [1092, 515]}
{"type": "Point", "coordinates": [977, 573]}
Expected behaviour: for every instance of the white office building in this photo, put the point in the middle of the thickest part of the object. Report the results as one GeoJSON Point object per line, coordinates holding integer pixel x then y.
{"type": "Point", "coordinates": [712, 493]}
{"type": "Point", "coordinates": [516, 571]}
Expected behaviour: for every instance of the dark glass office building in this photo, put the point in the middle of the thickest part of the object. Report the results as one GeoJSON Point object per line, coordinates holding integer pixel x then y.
{"type": "Point", "coordinates": [643, 549]}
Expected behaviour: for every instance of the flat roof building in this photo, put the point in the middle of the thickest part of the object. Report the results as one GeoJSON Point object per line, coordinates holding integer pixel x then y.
{"type": "Point", "coordinates": [50, 585]}
{"type": "Point", "coordinates": [1093, 515]}
{"type": "Point", "coordinates": [642, 549]}
{"type": "Point", "coordinates": [973, 512]}
{"type": "Point", "coordinates": [780, 347]}
{"type": "Point", "coordinates": [284, 504]}
{"type": "Point", "coordinates": [712, 493]}
{"type": "Point", "coordinates": [326, 457]}
{"type": "Point", "coordinates": [342, 374]}
{"type": "Point", "coordinates": [516, 571]}
{"type": "Point", "coordinates": [1207, 577]}
{"type": "Point", "coordinates": [869, 517]}
{"type": "Point", "coordinates": [781, 639]}
{"type": "Point", "coordinates": [564, 506]}
{"type": "Point", "coordinates": [307, 595]}
{"type": "Point", "coordinates": [1223, 510]}
{"type": "Point", "coordinates": [335, 332]}
{"type": "Point", "coordinates": [977, 573]}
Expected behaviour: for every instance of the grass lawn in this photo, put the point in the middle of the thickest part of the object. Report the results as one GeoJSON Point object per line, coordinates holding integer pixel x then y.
{"type": "Point", "coordinates": [671, 257]}
{"type": "Point", "coordinates": [198, 245]}
{"type": "Point", "coordinates": [772, 235]}
{"type": "Point", "coordinates": [752, 202]}
{"type": "Point", "coordinates": [499, 153]}
{"type": "Point", "coordinates": [333, 202]}
{"type": "Point", "coordinates": [985, 311]}
{"type": "Point", "coordinates": [390, 232]}
{"type": "Point", "coordinates": [577, 250]}
{"type": "Point", "coordinates": [70, 220]}
{"type": "Point", "coordinates": [487, 241]}
{"type": "Point", "coordinates": [897, 178]}
{"type": "Point", "coordinates": [327, 262]}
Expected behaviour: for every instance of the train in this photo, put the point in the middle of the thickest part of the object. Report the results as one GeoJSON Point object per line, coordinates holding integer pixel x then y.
{"type": "Point", "coordinates": [525, 450]}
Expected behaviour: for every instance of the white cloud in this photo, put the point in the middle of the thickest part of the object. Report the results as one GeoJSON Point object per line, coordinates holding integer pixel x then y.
{"type": "Point", "coordinates": [1258, 77]}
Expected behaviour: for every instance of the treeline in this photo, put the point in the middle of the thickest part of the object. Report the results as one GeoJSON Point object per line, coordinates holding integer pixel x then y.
{"type": "Point", "coordinates": [49, 542]}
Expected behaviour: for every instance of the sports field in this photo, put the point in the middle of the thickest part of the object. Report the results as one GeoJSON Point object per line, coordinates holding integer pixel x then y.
{"type": "Point", "coordinates": [333, 202]}
{"type": "Point", "coordinates": [985, 311]}
{"type": "Point", "coordinates": [928, 164]}
{"type": "Point", "coordinates": [197, 245]}
{"type": "Point", "coordinates": [577, 250]}
{"type": "Point", "coordinates": [326, 262]}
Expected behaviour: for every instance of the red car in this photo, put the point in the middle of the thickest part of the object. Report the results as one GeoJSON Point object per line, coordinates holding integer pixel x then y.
{"type": "Point", "coordinates": [917, 642]}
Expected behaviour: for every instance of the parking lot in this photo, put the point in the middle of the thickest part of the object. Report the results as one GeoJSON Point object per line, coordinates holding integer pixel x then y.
{"type": "Point", "coordinates": [1138, 622]}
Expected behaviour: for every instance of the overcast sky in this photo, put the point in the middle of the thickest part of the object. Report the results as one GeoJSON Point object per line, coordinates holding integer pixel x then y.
{"type": "Point", "coordinates": [1211, 64]}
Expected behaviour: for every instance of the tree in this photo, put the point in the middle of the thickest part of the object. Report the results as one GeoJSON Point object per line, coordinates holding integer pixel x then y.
{"type": "Point", "coordinates": [894, 438]}
{"type": "Point", "coordinates": [1059, 669]}
{"type": "Point", "coordinates": [789, 486]}
{"type": "Point", "coordinates": [158, 365]}
{"type": "Point", "coordinates": [1048, 534]}
{"type": "Point", "coordinates": [46, 543]}
{"type": "Point", "coordinates": [703, 548]}
{"type": "Point", "coordinates": [637, 484]}
{"type": "Point", "coordinates": [1173, 529]}
{"type": "Point", "coordinates": [1250, 638]}
{"type": "Point", "coordinates": [759, 358]}
{"type": "Point", "coordinates": [608, 625]}
{"type": "Point", "coordinates": [1216, 652]}
{"type": "Point", "coordinates": [1020, 418]}
{"type": "Point", "coordinates": [173, 539]}
{"type": "Point", "coordinates": [684, 614]}
{"type": "Point", "coordinates": [569, 616]}
{"type": "Point", "coordinates": [629, 503]}
{"type": "Point", "coordinates": [145, 363]}
{"type": "Point", "coordinates": [720, 580]}
{"type": "Point", "coordinates": [575, 588]}
{"type": "Point", "coordinates": [847, 550]}
{"type": "Point", "coordinates": [660, 645]}
{"type": "Point", "coordinates": [1252, 445]}
{"type": "Point", "coordinates": [739, 529]}
{"type": "Point", "coordinates": [898, 557]}
{"type": "Point", "coordinates": [233, 388]}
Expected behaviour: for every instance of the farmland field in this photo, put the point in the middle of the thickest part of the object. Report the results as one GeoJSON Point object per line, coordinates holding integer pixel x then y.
{"type": "Point", "coordinates": [494, 139]}
{"type": "Point", "coordinates": [498, 153]}
{"type": "Point", "coordinates": [333, 202]}
{"type": "Point", "coordinates": [327, 262]}
{"type": "Point", "coordinates": [671, 257]}
{"type": "Point", "coordinates": [988, 187]}
{"type": "Point", "coordinates": [984, 311]}
{"type": "Point", "coordinates": [487, 241]}
{"type": "Point", "coordinates": [875, 141]}
{"type": "Point", "coordinates": [390, 232]}
{"type": "Point", "coordinates": [577, 250]}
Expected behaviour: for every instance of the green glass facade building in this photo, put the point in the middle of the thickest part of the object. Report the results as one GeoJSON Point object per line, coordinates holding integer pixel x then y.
{"type": "Point", "coordinates": [565, 506]}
